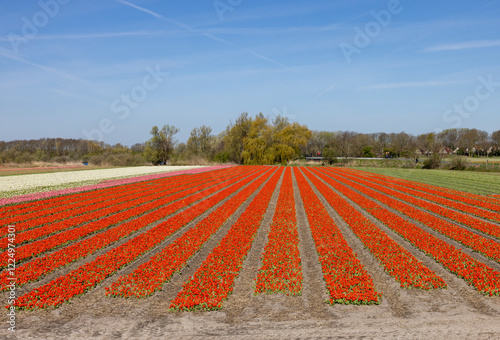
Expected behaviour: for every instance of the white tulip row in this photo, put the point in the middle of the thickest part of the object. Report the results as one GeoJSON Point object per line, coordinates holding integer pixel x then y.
{"type": "Point", "coordinates": [25, 184]}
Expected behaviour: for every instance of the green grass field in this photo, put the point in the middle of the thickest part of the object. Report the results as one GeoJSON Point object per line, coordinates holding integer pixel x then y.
{"type": "Point", "coordinates": [483, 183]}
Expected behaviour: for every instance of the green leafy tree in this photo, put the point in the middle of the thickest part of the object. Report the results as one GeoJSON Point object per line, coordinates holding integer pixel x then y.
{"type": "Point", "coordinates": [495, 137]}
{"type": "Point", "coordinates": [278, 142]}
{"type": "Point", "coordinates": [318, 141]}
{"type": "Point", "coordinates": [288, 141]}
{"type": "Point", "coordinates": [367, 152]}
{"type": "Point", "coordinates": [330, 153]}
{"type": "Point", "coordinates": [235, 136]}
{"type": "Point", "coordinates": [200, 140]}
{"type": "Point", "coordinates": [256, 145]}
{"type": "Point", "coordinates": [160, 146]}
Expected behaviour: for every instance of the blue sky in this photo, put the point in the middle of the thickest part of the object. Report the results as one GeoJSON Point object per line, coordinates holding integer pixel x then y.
{"type": "Point", "coordinates": [111, 69]}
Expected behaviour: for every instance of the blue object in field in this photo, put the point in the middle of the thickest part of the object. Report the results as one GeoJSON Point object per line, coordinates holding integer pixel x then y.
{"type": "Point", "coordinates": [85, 163]}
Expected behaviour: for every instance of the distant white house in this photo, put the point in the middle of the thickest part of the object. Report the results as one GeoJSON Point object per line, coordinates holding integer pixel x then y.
{"type": "Point", "coordinates": [445, 151]}
{"type": "Point", "coordinates": [473, 150]}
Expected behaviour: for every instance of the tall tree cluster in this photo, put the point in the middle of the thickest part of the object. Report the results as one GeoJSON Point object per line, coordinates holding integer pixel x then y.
{"type": "Point", "coordinates": [472, 142]}
{"type": "Point", "coordinates": [62, 150]}
{"type": "Point", "coordinates": [261, 141]}
{"type": "Point", "coordinates": [252, 140]}
{"type": "Point", "coordinates": [200, 141]}
{"type": "Point", "coordinates": [161, 145]}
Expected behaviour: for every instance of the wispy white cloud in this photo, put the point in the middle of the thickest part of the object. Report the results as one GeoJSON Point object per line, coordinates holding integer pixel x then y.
{"type": "Point", "coordinates": [94, 35]}
{"type": "Point", "coordinates": [7, 54]}
{"type": "Point", "coordinates": [276, 11]}
{"type": "Point", "coordinates": [204, 33]}
{"type": "Point", "coordinates": [156, 15]}
{"type": "Point", "coordinates": [227, 74]}
{"type": "Point", "coordinates": [463, 45]}
{"type": "Point", "coordinates": [409, 84]}
{"type": "Point", "coordinates": [325, 91]}
{"type": "Point", "coordinates": [272, 30]}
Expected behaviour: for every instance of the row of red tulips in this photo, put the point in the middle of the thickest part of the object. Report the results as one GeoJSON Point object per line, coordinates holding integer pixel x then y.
{"type": "Point", "coordinates": [472, 240]}
{"type": "Point", "coordinates": [70, 219]}
{"type": "Point", "coordinates": [100, 201]}
{"type": "Point", "coordinates": [151, 276]}
{"type": "Point", "coordinates": [93, 273]}
{"type": "Point", "coordinates": [84, 204]}
{"type": "Point", "coordinates": [488, 199]}
{"type": "Point", "coordinates": [482, 277]}
{"type": "Point", "coordinates": [470, 221]}
{"type": "Point", "coordinates": [281, 269]}
{"type": "Point", "coordinates": [212, 283]}
{"type": "Point", "coordinates": [397, 262]}
{"type": "Point", "coordinates": [346, 279]}
{"type": "Point", "coordinates": [63, 200]}
{"type": "Point", "coordinates": [33, 270]}
{"type": "Point", "coordinates": [406, 189]}
{"type": "Point", "coordinates": [69, 236]}
{"type": "Point", "coordinates": [47, 203]}
{"type": "Point", "coordinates": [430, 190]}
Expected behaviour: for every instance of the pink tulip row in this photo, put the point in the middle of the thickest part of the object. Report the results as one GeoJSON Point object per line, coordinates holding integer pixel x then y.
{"type": "Point", "coordinates": [104, 184]}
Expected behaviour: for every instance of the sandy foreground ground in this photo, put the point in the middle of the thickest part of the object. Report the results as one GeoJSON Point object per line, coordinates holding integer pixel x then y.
{"type": "Point", "coordinates": [458, 312]}
{"type": "Point", "coordinates": [276, 317]}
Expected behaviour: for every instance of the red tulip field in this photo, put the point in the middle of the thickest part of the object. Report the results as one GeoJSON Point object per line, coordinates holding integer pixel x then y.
{"type": "Point", "coordinates": [287, 243]}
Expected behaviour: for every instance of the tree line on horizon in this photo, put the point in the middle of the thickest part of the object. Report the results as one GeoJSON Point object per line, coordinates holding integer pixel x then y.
{"type": "Point", "coordinates": [251, 141]}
